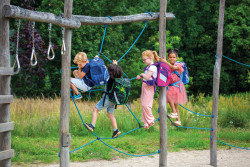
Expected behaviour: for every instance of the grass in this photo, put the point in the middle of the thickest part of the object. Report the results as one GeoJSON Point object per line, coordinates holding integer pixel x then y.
{"type": "Point", "coordinates": [37, 121]}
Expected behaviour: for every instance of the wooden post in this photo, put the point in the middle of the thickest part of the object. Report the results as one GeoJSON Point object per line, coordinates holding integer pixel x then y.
{"type": "Point", "coordinates": [65, 86]}
{"type": "Point", "coordinates": [216, 85]}
{"type": "Point", "coordinates": [5, 136]}
{"type": "Point", "coordinates": [162, 95]}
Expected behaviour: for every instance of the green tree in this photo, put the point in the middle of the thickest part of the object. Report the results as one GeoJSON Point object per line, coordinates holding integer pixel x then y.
{"type": "Point", "coordinates": [195, 26]}
{"type": "Point", "coordinates": [236, 46]}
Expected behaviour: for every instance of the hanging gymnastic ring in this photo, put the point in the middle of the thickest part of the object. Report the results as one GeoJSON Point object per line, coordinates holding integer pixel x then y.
{"type": "Point", "coordinates": [33, 56]}
{"type": "Point", "coordinates": [48, 52]}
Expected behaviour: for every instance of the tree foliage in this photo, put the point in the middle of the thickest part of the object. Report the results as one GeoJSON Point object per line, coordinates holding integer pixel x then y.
{"type": "Point", "coordinates": [193, 31]}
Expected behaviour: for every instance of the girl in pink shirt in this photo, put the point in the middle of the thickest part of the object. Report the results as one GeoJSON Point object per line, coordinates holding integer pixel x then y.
{"type": "Point", "coordinates": [176, 93]}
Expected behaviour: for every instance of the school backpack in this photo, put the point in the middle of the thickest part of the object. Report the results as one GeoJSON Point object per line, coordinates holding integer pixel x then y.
{"type": "Point", "coordinates": [163, 75]}
{"type": "Point", "coordinates": [98, 71]}
{"type": "Point", "coordinates": [184, 75]}
{"type": "Point", "coordinates": [120, 91]}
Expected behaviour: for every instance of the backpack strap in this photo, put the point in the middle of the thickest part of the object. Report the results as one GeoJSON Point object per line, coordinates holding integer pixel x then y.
{"type": "Point", "coordinates": [153, 79]}
{"type": "Point", "coordinates": [175, 84]}
{"type": "Point", "coordinates": [105, 94]}
{"type": "Point", "coordinates": [176, 72]}
{"type": "Point", "coordinates": [146, 68]}
{"type": "Point", "coordinates": [104, 98]}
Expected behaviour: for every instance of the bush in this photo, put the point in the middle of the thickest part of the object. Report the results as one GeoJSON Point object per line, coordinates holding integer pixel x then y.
{"type": "Point", "coordinates": [234, 119]}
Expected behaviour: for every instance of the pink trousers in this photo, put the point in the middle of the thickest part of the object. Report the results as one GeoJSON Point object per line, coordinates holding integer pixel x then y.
{"type": "Point", "coordinates": [147, 97]}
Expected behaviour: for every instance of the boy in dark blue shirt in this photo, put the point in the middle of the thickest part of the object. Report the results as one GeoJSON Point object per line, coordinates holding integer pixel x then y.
{"type": "Point", "coordinates": [82, 76]}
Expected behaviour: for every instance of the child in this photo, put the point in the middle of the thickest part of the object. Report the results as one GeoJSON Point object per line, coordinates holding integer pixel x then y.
{"type": "Point", "coordinates": [115, 71]}
{"type": "Point", "coordinates": [82, 76]}
{"type": "Point", "coordinates": [176, 94]}
{"type": "Point", "coordinates": [148, 89]}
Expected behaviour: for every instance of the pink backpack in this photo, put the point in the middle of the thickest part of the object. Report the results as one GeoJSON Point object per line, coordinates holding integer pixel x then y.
{"type": "Point", "coordinates": [163, 75]}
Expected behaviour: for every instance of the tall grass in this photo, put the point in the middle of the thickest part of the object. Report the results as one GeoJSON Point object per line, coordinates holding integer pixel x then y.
{"type": "Point", "coordinates": [41, 117]}
{"type": "Point", "coordinates": [38, 121]}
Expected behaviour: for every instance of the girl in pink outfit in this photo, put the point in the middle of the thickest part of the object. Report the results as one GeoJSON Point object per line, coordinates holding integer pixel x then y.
{"type": "Point", "coordinates": [148, 89]}
{"type": "Point", "coordinates": [176, 93]}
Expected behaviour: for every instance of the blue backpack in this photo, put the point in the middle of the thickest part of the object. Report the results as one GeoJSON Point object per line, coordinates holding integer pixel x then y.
{"type": "Point", "coordinates": [99, 72]}
{"type": "Point", "coordinates": [184, 75]}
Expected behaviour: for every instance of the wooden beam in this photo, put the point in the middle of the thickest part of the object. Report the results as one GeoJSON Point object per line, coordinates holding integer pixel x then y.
{"type": "Point", "coordinates": [216, 86]}
{"type": "Point", "coordinates": [162, 92]}
{"type": "Point", "coordinates": [6, 71]}
{"type": "Point", "coordinates": [7, 154]}
{"type": "Point", "coordinates": [12, 11]}
{"type": "Point", "coordinates": [88, 20]}
{"type": "Point", "coordinates": [5, 127]}
{"type": "Point", "coordinates": [4, 99]}
{"type": "Point", "coordinates": [76, 21]}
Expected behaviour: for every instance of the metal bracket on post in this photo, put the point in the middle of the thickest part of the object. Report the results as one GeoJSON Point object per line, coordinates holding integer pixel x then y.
{"type": "Point", "coordinates": [66, 139]}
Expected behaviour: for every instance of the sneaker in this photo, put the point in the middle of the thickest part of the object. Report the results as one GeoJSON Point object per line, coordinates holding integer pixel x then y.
{"type": "Point", "coordinates": [173, 115]}
{"type": "Point", "coordinates": [116, 133]}
{"type": "Point", "coordinates": [76, 97]}
{"type": "Point", "coordinates": [90, 127]}
{"type": "Point", "coordinates": [177, 123]}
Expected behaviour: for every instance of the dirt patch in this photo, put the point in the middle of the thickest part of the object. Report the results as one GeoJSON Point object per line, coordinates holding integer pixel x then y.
{"type": "Point", "coordinates": [225, 158]}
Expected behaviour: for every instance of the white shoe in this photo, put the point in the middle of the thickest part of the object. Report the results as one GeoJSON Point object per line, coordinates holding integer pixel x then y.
{"type": "Point", "coordinates": [177, 123]}
{"type": "Point", "coordinates": [173, 115]}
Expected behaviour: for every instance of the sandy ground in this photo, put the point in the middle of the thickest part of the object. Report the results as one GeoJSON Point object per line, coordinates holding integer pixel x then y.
{"type": "Point", "coordinates": [226, 158]}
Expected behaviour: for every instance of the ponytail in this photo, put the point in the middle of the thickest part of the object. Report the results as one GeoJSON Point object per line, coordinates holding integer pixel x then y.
{"type": "Point", "coordinates": [156, 57]}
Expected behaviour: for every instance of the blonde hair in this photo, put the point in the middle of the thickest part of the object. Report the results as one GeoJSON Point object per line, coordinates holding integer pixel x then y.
{"type": "Point", "coordinates": [80, 58]}
{"type": "Point", "coordinates": [150, 54]}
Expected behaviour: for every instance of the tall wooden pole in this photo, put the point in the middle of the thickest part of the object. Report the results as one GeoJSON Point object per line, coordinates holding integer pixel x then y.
{"type": "Point", "coordinates": [65, 92]}
{"type": "Point", "coordinates": [5, 135]}
{"type": "Point", "coordinates": [162, 95]}
{"type": "Point", "coordinates": [216, 85]}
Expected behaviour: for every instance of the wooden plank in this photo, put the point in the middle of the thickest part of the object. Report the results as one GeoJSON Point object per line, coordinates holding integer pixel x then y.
{"type": "Point", "coordinates": [216, 85]}
{"type": "Point", "coordinates": [11, 11]}
{"type": "Point", "coordinates": [6, 71]}
{"type": "Point", "coordinates": [65, 87]}
{"type": "Point", "coordinates": [6, 99]}
{"type": "Point", "coordinates": [89, 20]}
{"type": "Point", "coordinates": [4, 127]}
{"type": "Point", "coordinates": [7, 154]}
{"type": "Point", "coordinates": [162, 93]}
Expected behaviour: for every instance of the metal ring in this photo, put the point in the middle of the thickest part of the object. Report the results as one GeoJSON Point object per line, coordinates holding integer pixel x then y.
{"type": "Point", "coordinates": [33, 56]}
{"type": "Point", "coordinates": [17, 43]}
{"type": "Point", "coordinates": [63, 49]}
{"type": "Point", "coordinates": [18, 65]}
{"type": "Point", "coordinates": [48, 52]}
